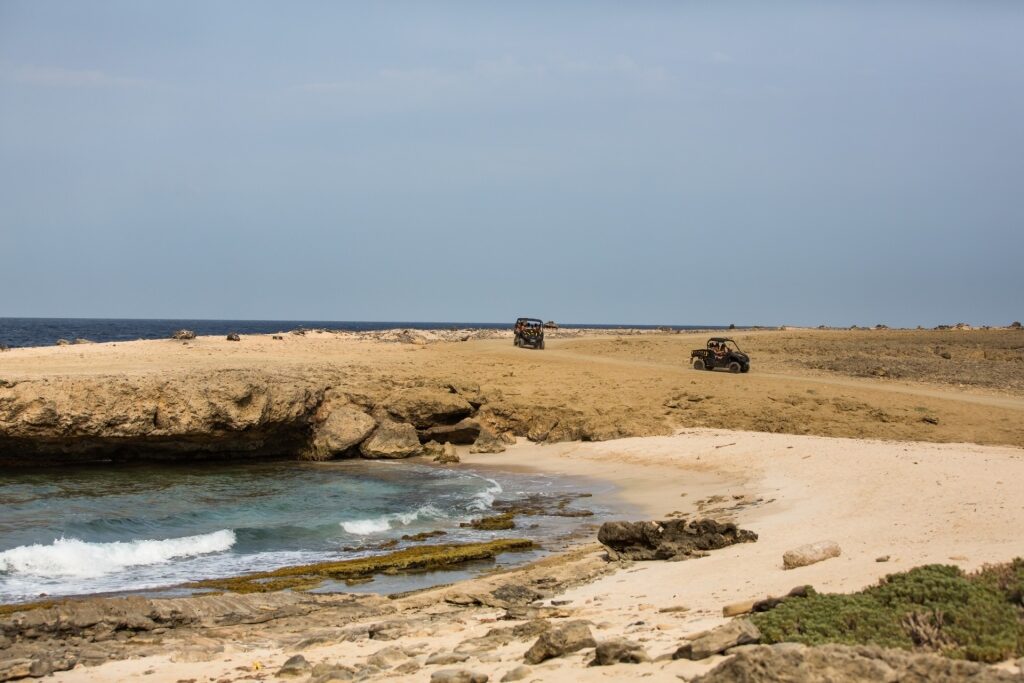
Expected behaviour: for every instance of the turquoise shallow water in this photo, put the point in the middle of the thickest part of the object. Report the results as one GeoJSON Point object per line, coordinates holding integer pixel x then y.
{"type": "Point", "coordinates": [92, 530]}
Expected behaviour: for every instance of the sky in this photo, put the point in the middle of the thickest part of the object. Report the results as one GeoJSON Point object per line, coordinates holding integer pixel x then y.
{"type": "Point", "coordinates": [645, 162]}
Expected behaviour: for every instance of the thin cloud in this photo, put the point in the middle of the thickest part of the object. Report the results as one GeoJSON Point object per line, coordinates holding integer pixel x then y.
{"type": "Point", "coordinates": [59, 77]}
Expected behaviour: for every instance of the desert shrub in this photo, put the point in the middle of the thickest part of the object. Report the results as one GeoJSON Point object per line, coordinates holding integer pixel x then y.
{"type": "Point", "coordinates": [979, 617]}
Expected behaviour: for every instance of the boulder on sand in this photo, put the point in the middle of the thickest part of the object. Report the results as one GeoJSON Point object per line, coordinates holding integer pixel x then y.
{"type": "Point", "coordinates": [671, 539]}
{"type": "Point", "coordinates": [426, 407]}
{"type": "Point", "coordinates": [559, 641]}
{"type": "Point", "coordinates": [487, 442]}
{"type": "Point", "coordinates": [810, 554]}
{"type": "Point", "coordinates": [344, 427]}
{"type": "Point", "coordinates": [391, 440]}
{"type": "Point", "coordinates": [619, 651]}
{"type": "Point", "coordinates": [736, 632]}
{"type": "Point", "coordinates": [184, 334]}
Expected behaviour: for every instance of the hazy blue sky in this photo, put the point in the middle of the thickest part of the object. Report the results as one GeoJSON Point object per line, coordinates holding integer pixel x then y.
{"type": "Point", "coordinates": [676, 162]}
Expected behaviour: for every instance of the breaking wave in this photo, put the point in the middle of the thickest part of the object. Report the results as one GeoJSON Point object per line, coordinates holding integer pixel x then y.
{"type": "Point", "coordinates": [364, 527]}
{"type": "Point", "coordinates": [485, 499]}
{"type": "Point", "coordinates": [70, 557]}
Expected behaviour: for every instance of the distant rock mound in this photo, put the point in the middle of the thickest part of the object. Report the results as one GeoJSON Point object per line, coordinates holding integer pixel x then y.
{"type": "Point", "coordinates": [674, 539]}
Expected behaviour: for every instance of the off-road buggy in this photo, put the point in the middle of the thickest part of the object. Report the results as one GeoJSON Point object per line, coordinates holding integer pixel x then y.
{"type": "Point", "coordinates": [529, 332]}
{"type": "Point", "coordinates": [721, 352]}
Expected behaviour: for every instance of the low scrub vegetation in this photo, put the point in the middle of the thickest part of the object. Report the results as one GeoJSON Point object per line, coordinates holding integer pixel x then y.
{"type": "Point", "coordinates": [938, 608]}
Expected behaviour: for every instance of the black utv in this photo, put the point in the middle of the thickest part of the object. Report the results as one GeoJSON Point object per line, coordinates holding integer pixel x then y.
{"type": "Point", "coordinates": [529, 332]}
{"type": "Point", "coordinates": [721, 352]}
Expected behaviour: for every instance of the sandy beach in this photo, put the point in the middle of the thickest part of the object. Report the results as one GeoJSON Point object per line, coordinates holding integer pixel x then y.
{"type": "Point", "coordinates": [948, 494]}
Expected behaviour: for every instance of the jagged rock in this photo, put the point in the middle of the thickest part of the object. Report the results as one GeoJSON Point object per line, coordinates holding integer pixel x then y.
{"type": "Point", "coordinates": [516, 594]}
{"type": "Point", "coordinates": [342, 428]}
{"type": "Point", "coordinates": [559, 641]}
{"type": "Point", "coordinates": [80, 340]}
{"type": "Point", "coordinates": [336, 674]}
{"type": "Point", "coordinates": [183, 334]}
{"type": "Point", "coordinates": [446, 658]}
{"type": "Point", "coordinates": [391, 440]}
{"type": "Point", "coordinates": [487, 442]}
{"type": "Point", "coordinates": [233, 337]}
{"type": "Point", "coordinates": [517, 674]}
{"type": "Point", "coordinates": [619, 650]}
{"type": "Point", "coordinates": [13, 669]}
{"type": "Point", "coordinates": [426, 407]}
{"type": "Point", "coordinates": [797, 663]}
{"type": "Point", "coordinates": [671, 539]}
{"type": "Point", "coordinates": [736, 632]}
{"type": "Point", "coordinates": [295, 666]}
{"type": "Point", "coordinates": [63, 342]}
{"type": "Point", "coordinates": [457, 676]}
{"type": "Point", "coordinates": [810, 554]}
{"type": "Point", "coordinates": [406, 668]}
{"type": "Point", "coordinates": [447, 456]}
{"type": "Point", "coordinates": [508, 438]}
{"type": "Point", "coordinates": [387, 657]}
{"type": "Point", "coordinates": [465, 431]}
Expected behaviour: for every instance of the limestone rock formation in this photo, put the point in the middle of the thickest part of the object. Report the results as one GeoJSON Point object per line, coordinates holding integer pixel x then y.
{"type": "Point", "coordinates": [183, 334]}
{"type": "Point", "coordinates": [487, 442]}
{"type": "Point", "coordinates": [559, 641]}
{"type": "Point", "coordinates": [465, 431]}
{"type": "Point", "coordinates": [391, 440]}
{"type": "Point", "coordinates": [202, 414]}
{"type": "Point", "coordinates": [426, 407]}
{"type": "Point", "coordinates": [736, 632]}
{"type": "Point", "coordinates": [344, 427]}
{"type": "Point", "coordinates": [671, 539]}
{"type": "Point", "coordinates": [810, 554]}
{"type": "Point", "coordinates": [619, 651]}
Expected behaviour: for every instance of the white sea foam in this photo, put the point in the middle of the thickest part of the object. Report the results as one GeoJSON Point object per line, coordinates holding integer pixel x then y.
{"type": "Point", "coordinates": [71, 557]}
{"type": "Point", "coordinates": [364, 527]}
{"type": "Point", "coordinates": [485, 499]}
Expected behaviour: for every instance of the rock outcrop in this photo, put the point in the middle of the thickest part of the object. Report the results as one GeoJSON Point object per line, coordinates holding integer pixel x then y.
{"type": "Point", "coordinates": [342, 428]}
{"type": "Point", "coordinates": [426, 407]}
{"type": "Point", "coordinates": [465, 431]}
{"type": "Point", "coordinates": [796, 663]}
{"type": "Point", "coordinates": [674, 539]}
{"type": "Point", "coordinates": [391, 440]}
{"type": "Point", "coordinates": [232, 413]}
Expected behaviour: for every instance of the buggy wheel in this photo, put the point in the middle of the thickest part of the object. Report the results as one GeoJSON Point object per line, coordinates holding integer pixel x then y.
{"type": "Point", "coordinates": [746, 368]}
{"type": "Point", "coordinates": [516, 341]}
{"type": "Point", "coordinates": [698, 364]}
{"type": "Point", "coordinates": [541, 345]}
{"type": "Point", "coordinates": [734, 367]}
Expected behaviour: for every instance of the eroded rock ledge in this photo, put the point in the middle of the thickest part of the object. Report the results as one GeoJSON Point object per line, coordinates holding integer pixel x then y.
{"type": "Point", "coordinates": [262, 414]}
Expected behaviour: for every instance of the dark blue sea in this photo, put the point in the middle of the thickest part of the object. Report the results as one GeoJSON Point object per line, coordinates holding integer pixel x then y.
{"type": "Point", "coordinates": [15, 332]}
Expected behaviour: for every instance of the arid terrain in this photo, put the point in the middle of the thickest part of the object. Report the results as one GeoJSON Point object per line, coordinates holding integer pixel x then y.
{"type": "Point", "coordinates": [902, 448]}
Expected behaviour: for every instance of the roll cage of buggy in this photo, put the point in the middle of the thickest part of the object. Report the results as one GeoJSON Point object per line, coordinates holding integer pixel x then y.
{"type": "Point", "coordinates": [529, 332]}
{"type": "Point", "coordinates": [719, 354]}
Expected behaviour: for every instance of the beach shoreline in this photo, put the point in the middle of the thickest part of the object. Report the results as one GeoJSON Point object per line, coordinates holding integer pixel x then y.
{"type": "Point", "coordinates": [885, 467]}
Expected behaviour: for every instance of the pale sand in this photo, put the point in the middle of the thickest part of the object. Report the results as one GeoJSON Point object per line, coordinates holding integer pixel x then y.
{"type": "Point", "coordinates": [915, 502]}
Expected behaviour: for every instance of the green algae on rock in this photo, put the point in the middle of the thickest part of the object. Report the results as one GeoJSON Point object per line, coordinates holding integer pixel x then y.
{"type": "Point", "coordinates": [418, 559]}
{"type": "Point", "coordinates": [500, 522]}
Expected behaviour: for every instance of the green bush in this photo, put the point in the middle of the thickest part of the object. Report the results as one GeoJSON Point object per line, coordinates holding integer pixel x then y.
{"type": "Point", "coordinates": [979, 617]}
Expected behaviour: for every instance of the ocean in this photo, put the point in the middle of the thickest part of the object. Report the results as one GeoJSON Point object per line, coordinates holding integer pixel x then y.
{"type": "Point", "coordinates": [16, 332]}
{"type": "Point", "coordinates": [88, 530]}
